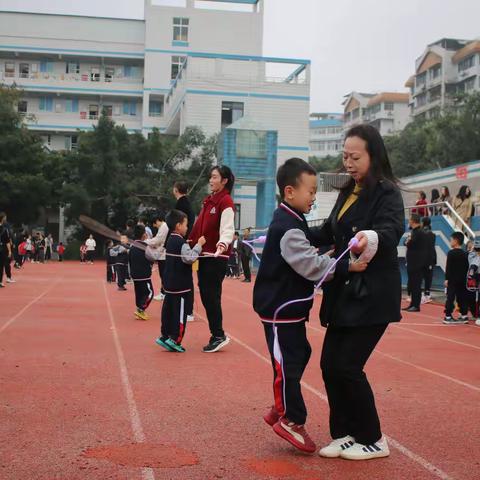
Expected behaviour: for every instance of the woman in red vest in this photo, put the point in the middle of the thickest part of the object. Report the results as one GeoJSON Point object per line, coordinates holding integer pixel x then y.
{"type": "Point", "coordinates": [216, 223]}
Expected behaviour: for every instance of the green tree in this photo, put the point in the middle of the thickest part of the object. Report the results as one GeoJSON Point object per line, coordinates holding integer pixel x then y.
{"type": "Point", "coordinates": [28, 180]}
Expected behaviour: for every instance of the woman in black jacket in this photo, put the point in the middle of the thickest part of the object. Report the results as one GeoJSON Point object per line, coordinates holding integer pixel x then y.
{"type": "Point", "coordinates": [357, 307]}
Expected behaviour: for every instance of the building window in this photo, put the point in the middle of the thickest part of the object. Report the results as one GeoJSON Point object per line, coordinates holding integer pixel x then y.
{"type": "Point", "coordinates": [24, 70]}
{"type": "Point", "coordinates": [180, 29]}
{"type": "Point", "coordinates": [9, 69]}
{"type": "Point", "coordinates": [251, 144]}
{"type": "Point", "coordinates": [435, 72]}
{"type": "Point", "coordinates": [470, 84]}
{"type": "Point", "coordinates": [95, 74]}
{"type": "Point", "coordinates": [129, 107]}
{"type": "Point", "coordinates": [355, 113]}
{"type": "Point", "coordinates": [72, 67]}
{"type": "Point", "coordinates": [466, 63]}
{"type": "Point", "coordinates": [71, 142]}
{"type": "Point", "coordinates": [46, 66]}
{"type": "Point", "coordinates": [389, 106]}
{"type": "Point", "coordinates": [421, 79]}
{"type": "Point", "coordinates": [421, 100]}
{"type": "Point", "coordinates": [22, 107]}
{"type": "Point", "coordinates": [46, 104]}
{"type": "Point", "coordinates": [155, 108]}
{"type": "Point", "coordinates": [231, 112]}
{"type": "Point", "coordinates": [375, 108]}
{"type": "Point", "coordinates": [109, 73]}
{"type": "Point", "coordinates": [238, 209]}
{"type": "Point", "coordinates": [177, 62]}
{"type": "Point", "coordinates": [93, 112]}
{"type": "Point", "coordinates": [71, 105]}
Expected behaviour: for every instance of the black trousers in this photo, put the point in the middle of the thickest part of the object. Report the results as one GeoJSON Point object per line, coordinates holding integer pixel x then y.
{"type": "Point", "coordinates": [3, 259]}
{"type": "Point", "coordinates": [121, 271]}
{"type": "Point", "coordinates": [211, 272]}
{"type": "Point", "coordinates": [458, 293]}
{"type": "Point", "coordinates": [7, 265]}
{"type": "Point", "coordinates": [110, 272]}
{"type": "Point", "coordinates": [48, 253]}
{"type": "Point", "coordinates": [175, 309]}
{"type": "Point", "coordinates": [143, 293]}
{"type": "Point", "coordinates": [428, 278]}
{"type": "Point", "coordinates": [415, 285]}
{"type": "Point", "coordinates": [350, 397]}
{"type": "Point", "coordinates": [90, 254]}
{"type": "Point", "coordinates": [161, 269]}
{"type": "Point", "coordinates": [246, 267]}
{"type": "Point", "coordinates": [290, 352]}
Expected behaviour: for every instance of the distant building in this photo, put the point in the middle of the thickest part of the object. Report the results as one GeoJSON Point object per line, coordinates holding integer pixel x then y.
{"type": "Point", "coordinates": [386, 111]}
{"type": "Point", "coordinates": [326, 134]}
{"type": "Point", "coordinates": [446, 68]}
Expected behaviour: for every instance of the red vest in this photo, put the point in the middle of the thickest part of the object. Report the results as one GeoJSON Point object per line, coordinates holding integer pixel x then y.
{"type": "Point", "coordinates": [208, 221]}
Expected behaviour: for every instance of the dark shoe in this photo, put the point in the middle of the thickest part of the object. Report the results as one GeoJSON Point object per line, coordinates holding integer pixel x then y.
{"type": "Point", "coordinates": [122, 289]}
{"type": "Point", "coordinates": [411, 309]}
{"type": "Point", "coordinates": [246, 281]}
{"type": "Point", "coordinates": [216, 343]}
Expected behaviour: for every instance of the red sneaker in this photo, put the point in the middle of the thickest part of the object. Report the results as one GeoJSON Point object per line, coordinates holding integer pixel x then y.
{"type": "Point", "coordinates": [272, 416]}
{"type": "Point", "coordinates": [295, 434]}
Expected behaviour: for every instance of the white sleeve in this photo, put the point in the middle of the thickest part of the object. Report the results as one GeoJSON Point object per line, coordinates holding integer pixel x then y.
{"type": "Point", "coordinates": [372, 247]}
{"type": "Point", "coordinates": [227, 227]}
{"type": "Point", "coordinates": [158, 240]}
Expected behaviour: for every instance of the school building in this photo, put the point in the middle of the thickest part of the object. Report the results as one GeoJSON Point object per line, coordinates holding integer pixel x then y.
{"type": "Point", "coordinates": [187, 63]}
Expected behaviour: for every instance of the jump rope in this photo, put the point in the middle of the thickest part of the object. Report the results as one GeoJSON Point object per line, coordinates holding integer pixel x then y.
{"type": "Point", "coordinates": [109, 233]}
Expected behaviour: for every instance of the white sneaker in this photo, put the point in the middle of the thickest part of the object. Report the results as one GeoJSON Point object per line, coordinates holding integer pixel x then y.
{"type": "Point", "coordinates": [426, 299]}
{"type": "Point", "coordinates": [477, 322]}
{"type": "Point", "coordinates": [11, 280]}
{"type": "Point", "coordinates": [336, 447]}
{"type": "Point", "coordinates": [160, 297]}
{"type": "Point", "coordinates": [365, 452]}
{"type": "Point", "coordinates": [190, 318]}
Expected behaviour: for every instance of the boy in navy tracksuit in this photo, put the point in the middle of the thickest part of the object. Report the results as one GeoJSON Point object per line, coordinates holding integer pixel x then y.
{"type": "Point", "coordinates": [289, 268]}
{"type": "Point", "coordinates": [177, 282]}
{"type": "Point", "coordinates": [120, 255]}
{"type": "Point", "coordinates": [141, 272]}
{"type": "Point", "coordinates": [110, 262]}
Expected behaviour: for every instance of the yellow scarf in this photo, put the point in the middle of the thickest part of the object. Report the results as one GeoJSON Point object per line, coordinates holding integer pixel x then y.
{"type": "Point", "coordinates": [350, 201]}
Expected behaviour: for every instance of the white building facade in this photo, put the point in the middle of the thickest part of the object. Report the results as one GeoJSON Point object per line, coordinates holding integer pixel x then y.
{"type": "Point", "coordinates": [326, 134]}
{"type": "Point", "coordinates": [388, 112]}
{"type": "Point", "coordinates": [188, 63]}
{"type": "Point", "coordinates": [446, 68]}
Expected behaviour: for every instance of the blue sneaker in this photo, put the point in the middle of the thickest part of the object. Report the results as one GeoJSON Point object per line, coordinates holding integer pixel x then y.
{"type": "Point", "coordinates": [162, 341]}
{"type": "Point", "coordinates": [174, 346]}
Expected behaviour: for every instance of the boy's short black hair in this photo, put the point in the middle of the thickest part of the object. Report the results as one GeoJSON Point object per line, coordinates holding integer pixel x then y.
{"type": "Point", "coordinates": [415, 218]}
{"type": "Point", "coordinates": [174, 217]}
{"type": "Point", "coordinates": [143, 220]}
{"type": "Point", "coordinates": [426, 222]}
{"type": "Point", "coordinates": [130, 223]}
{"type": "Point", "coordinates": [181, 186]}
{"type": "Point", "coordinates": [289, 173]}
{"type": "Point", "coordinates": [237, 234]}
{"type": "Point", "coordinates": [158, 216]}
{"type": "Point", "coordinates": [138, 232]}
{"type": "Point", "coordinates": [458, 236]}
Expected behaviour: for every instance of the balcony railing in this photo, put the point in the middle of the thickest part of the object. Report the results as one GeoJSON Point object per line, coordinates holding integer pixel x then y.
{"type": "Point", "coordinates": [71, 77]}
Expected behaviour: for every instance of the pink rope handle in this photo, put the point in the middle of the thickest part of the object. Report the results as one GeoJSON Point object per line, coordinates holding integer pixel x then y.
{"type": "Point", "coordinates": [353, 243]}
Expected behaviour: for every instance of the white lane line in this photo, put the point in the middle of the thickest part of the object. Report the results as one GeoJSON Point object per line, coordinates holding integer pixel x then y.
{"type": "Point", "coordinates": [28, 305]}
{"type": "Point", "coordinates": [432, 372]}
{"type": "Point", "coordinates": [401, 448]}
{"type": "Point", "coordinates": [450, 340]}
{"type": "Point", "coordinates": [136, 423]}
{"type": "Point", "coordinates": [418, 367]}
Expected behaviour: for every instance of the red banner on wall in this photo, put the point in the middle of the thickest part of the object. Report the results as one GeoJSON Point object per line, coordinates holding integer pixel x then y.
{"type": "Point", "coordinates": [461, 173]}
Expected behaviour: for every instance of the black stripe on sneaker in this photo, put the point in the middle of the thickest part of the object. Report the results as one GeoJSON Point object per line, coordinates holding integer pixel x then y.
{"type": "Point", "coordinates": [376, 447]}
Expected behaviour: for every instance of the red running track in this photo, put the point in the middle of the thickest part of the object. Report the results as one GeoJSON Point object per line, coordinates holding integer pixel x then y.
{"type": "Point", "coordinates": [86, 394]}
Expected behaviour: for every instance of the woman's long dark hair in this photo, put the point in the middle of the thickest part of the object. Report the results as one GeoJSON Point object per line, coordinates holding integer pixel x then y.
{"type": "Point", "coordinates": [446, 195]}
{"type": "Point", "coordinates": [380, 167]}
{"type": "Point", "coordinates": [462, 193]}
{"type": "Point", "coordinates": [435, 195]}
{"type": "Point", "coordinates": [225, 172]}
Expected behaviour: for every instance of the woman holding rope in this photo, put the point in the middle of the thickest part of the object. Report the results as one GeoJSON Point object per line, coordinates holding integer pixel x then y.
{"type": "Point", "coordinates": [216, 223]}
{"type": "Point", "coordinates": [357, 307]}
